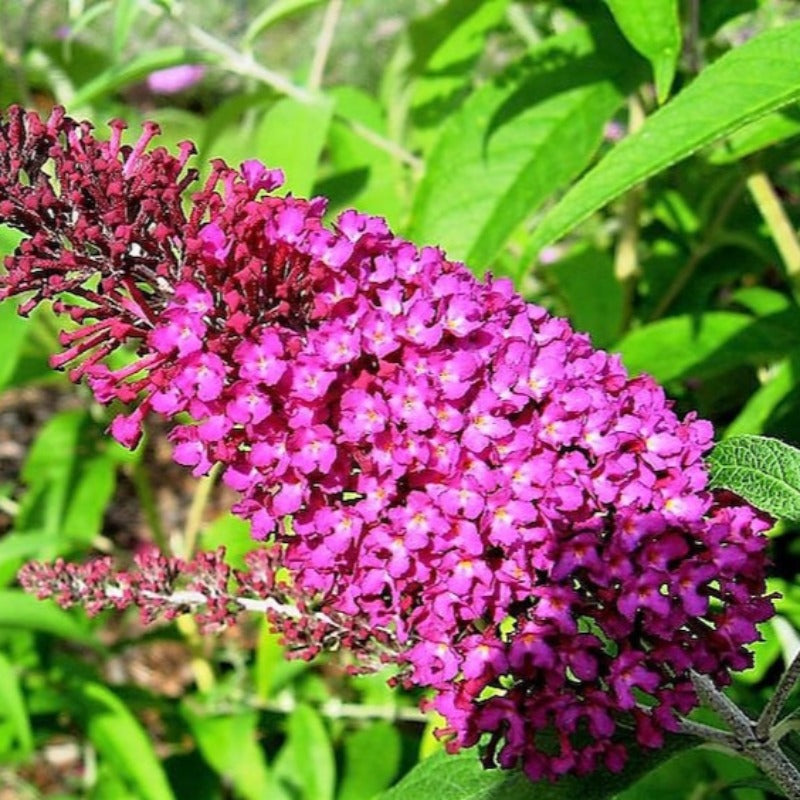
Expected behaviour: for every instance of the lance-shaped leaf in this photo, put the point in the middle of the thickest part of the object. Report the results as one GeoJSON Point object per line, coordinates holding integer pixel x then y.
{"type": "Point", "coordinates": [748, 82]}
{"type": "Point", "coordinates": [654, 29]}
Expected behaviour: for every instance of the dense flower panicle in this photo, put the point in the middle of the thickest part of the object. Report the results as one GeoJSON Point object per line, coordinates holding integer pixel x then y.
{"type": "Point", "coordinates": [453, 475]}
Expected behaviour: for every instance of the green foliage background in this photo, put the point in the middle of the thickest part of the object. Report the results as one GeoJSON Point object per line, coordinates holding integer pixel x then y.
{"type": "Point", "coordinates": [632, 165]}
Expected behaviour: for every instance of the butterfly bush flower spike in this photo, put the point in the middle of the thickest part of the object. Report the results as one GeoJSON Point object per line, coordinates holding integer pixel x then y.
{"type": "Point", "coordinates": [454, 480]}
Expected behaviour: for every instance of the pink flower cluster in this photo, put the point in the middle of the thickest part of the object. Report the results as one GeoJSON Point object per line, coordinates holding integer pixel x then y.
{"type": "Point", "coordinates": [458, 476]}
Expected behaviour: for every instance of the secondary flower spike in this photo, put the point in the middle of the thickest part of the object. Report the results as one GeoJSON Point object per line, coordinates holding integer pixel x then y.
{"type": "Point", "coordinates": [455, 480]}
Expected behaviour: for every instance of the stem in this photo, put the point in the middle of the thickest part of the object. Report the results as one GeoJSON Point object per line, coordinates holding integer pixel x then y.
{"type": "Point", "coordinates": [201, 667]}
{"type": "Point", "coordinates": [708, 733]}
{"type": "Point", "coordinates": [700, 252]}
{"type": "Point", "coordinates": [626, 262]}
{"type": "Point", "coordinates": [194, 519]}
{"type": "Point", "coordinates": [140, 477]}
{"type": "Point", "coordinates": [185, 597]}
{"type": "Point", "coordinates": [324, 43]}
{"type": "Point", "coordinates": [336, 709]}
{"type": "Point", "coordinates": [761, 750]}
{"type": "Point", "coordinates": [780, 226]}
{"type": "Point", "coordinates": [740, 724]}
{"type": "Point", "coordinates": [693, 36]}
{"type": "Point", "coordinates": [769, 716]}
{"type": "Point", "coordinates": [245, 65]}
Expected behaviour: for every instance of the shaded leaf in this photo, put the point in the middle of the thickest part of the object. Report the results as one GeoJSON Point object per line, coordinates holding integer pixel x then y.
{"type": "Point", "coordinates": [746, 83]}
{"type": "Point", "coordinates": [461, 777]}
{"type": "Point", "coordinates": [70, 473]}
{"type": "Point", "coordinates": [755, 415]}
{"type": "Point", "coordinates": [764, 471]}
{"type": "Point", "coordinates": [702, 346]}
{"type": "Point", "coordinates": [764, 132]}
{"type": "Point", "coordinates": [594, 297]}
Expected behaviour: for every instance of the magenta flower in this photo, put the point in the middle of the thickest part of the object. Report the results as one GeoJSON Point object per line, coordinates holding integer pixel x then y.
{"type": "Point", "coordinates": [455, 480]}
{"type": "Point", "coordinates": [175, 79]}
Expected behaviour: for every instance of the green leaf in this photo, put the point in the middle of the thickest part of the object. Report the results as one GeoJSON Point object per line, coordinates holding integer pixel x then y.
{"type": "Point", "coordinates": [272, 669]}
{"type": "Point", "coordinates": [765, 652]}
{"type": "Point", "coordinates": [71, 473]}
{"type": "Point", "coordinates": [25, 612]}
{"type": "Point", "coordinates": [313, 747]}
{"type": "Point", "coordinates": [125, 14]}
{"type": "Point", "coordinates": [764, 132]}
{"type": "Point", "coordinates": [15, 330]}
{"type": "Point", "coordinates": [305, 766]}
{"type": "Point", "coordinates": [593, 296]}
{"type": "Point", "coordinates": [704, 346]}
{"type": "Point", "coordinates": [654, 29]}
{"type": "Point", "coordinates": [122, 742]}
{"type": "Point", "coordinates": [764, 471]}
{"type": "Point", "coordinates": [363, 177]}
{"type": "Point", "coordinates": [758, 410]}
{"type": "Point", "coordinates": [690, 773]}
{"type": "Point", "coordinates": [87, 16]}
{"type": "Point", "coordinates": [291, 136]}
{"type": "Point", "coordinates": [12, 706]}
{"type": "Point", "coordinates": [371, 760]}
{"type": "Point", "coordinates": [232, 533]}
{"type": "Point", "coordinates": [503, 153]}
{"type": "Point", "coordinates": [229, 745]}
{"type": "Point", "coordinates": [461, 777]}
{"type": "Point", "coordinates": [9, 239]}
{"type": "Point", "coordinates": [16, 547]}
{"type": "Point", "coordinates": [275, 12]}
{"type": "Point", "coordinates": [445, 46]}
{"type": "Point", "coordinates": [746, 83]}
{"type": "Point", "coordinates": [135, 69]}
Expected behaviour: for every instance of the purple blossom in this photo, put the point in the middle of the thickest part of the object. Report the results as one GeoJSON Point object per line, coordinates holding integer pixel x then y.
{"type": "Point", "coordinates": [175, 79]}
{"type": "Point", "coordinates": [476, 493]}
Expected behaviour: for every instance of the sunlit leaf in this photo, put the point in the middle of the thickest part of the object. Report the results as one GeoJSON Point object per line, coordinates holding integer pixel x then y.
{"type": "Point", "coordinates": [291, 136]}
{"type": "Point", "coordinates": [12, 706]}
{"type": "Point", "coordinates": [743, 85]}
{"type": "Point", "coordinates": [371, 760]}
{"type": "Point", "coordinates": [762, 470]}
{"type": "Point", "coordinates": [25, 612]}
{"type": "Point", "coordinates": [229, 745]}
{"type": "Point", "coordinates": [122, 742]}
{"type": "Point", "coordinates": [654, 29]}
